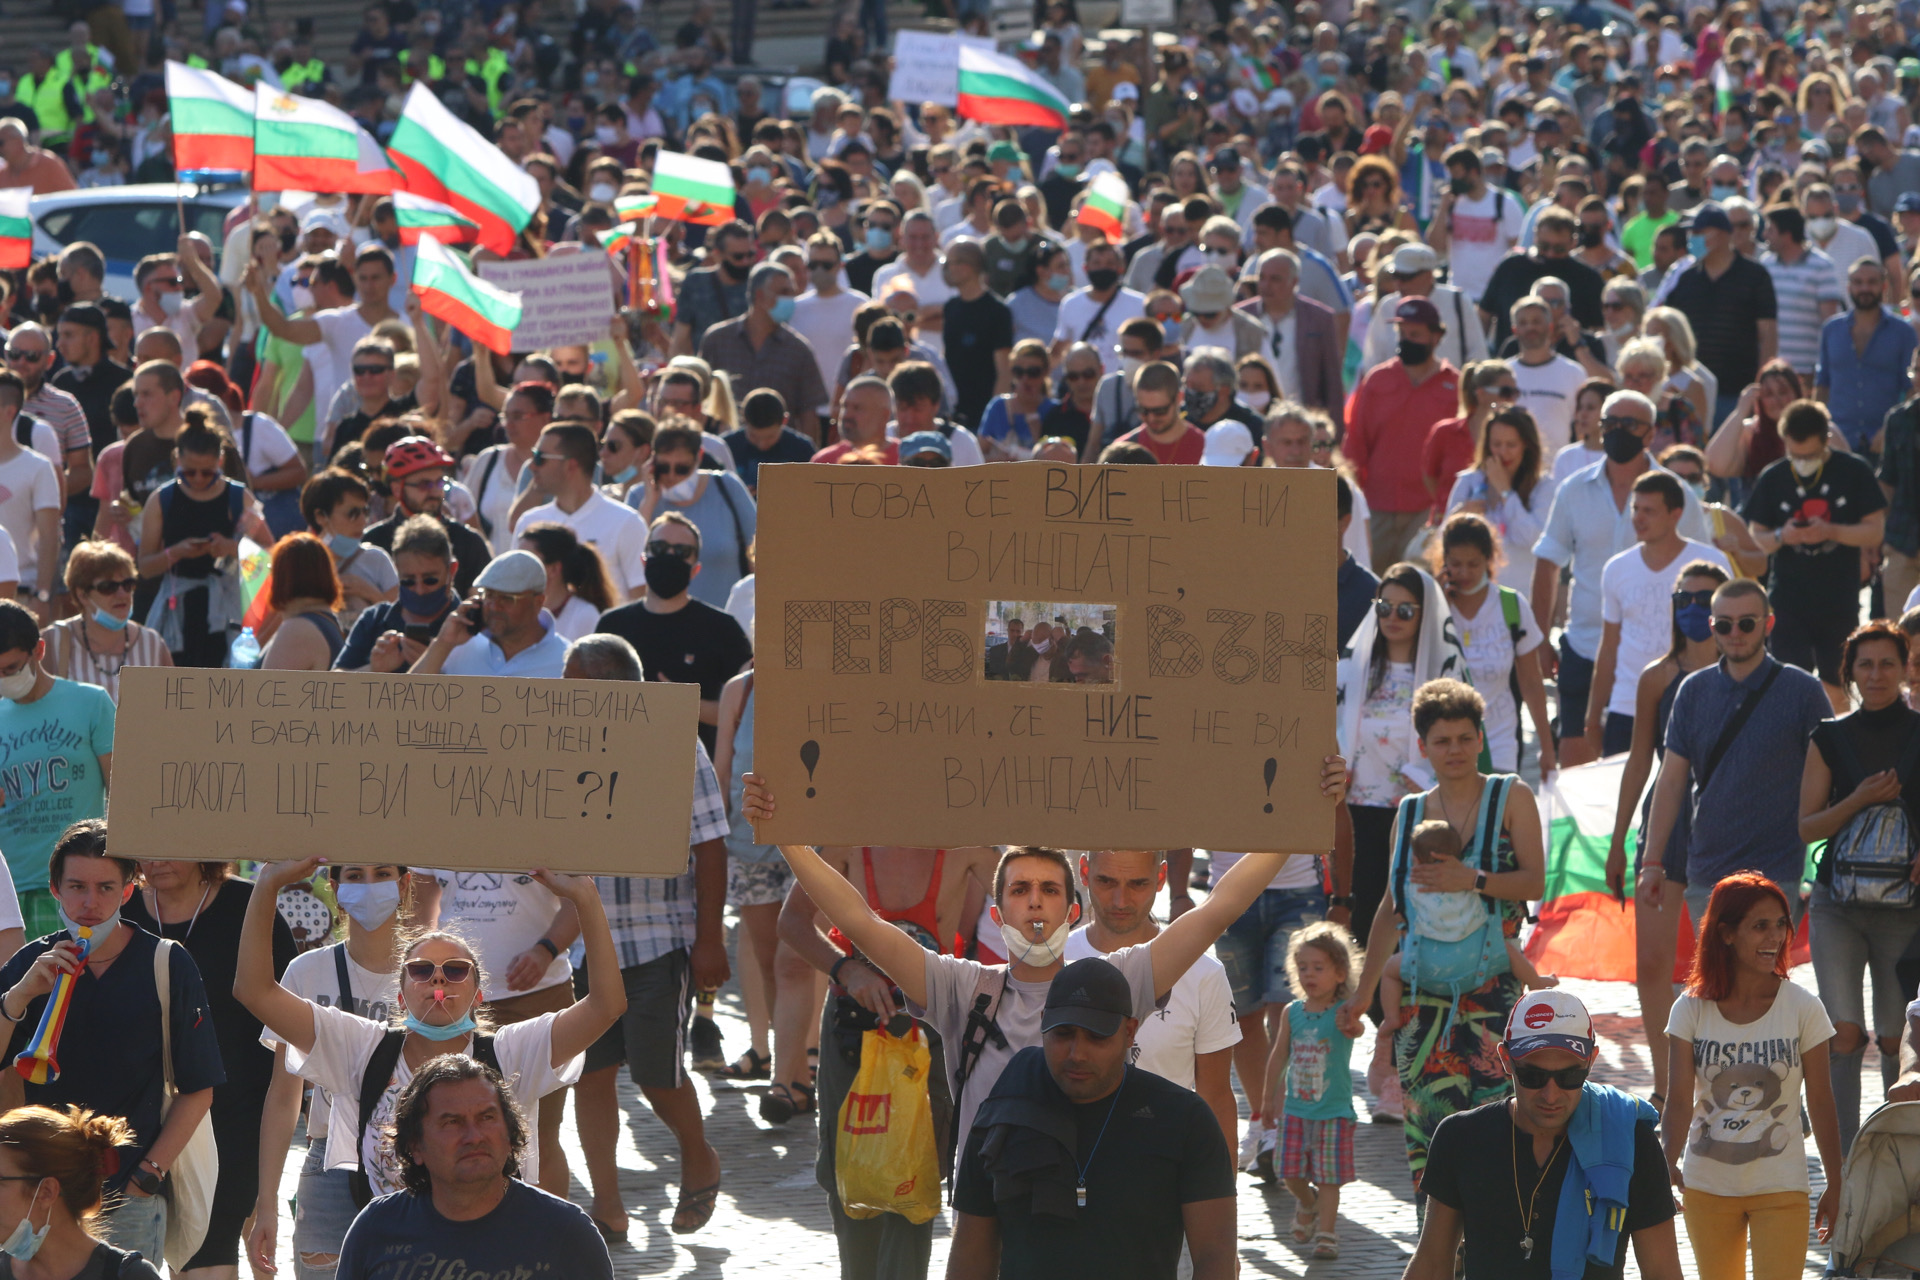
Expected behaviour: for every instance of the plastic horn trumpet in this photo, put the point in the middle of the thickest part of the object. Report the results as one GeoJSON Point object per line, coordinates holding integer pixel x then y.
{"type": "Point", "coordinates": [36, 1063]}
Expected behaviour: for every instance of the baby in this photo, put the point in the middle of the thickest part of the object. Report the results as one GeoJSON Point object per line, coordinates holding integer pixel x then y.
{"type": "Point", "coordinates": [1434, 841]}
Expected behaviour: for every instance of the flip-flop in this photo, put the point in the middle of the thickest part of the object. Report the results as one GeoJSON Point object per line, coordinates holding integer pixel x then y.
{"type": "Point", "coordinates": [612, 1235]}
{"type": "Point", "coordinates": [751, 1065]}
{"type": "Point", "coordinates": [699, 1203]}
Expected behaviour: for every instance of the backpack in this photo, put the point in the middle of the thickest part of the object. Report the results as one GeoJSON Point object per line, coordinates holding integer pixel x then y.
{"type": "Point", "coordinates": [1870, 858]}
{"type": "Point", "coordinates": [1439, 955]}
{"type": "Point", "coordinates": [1510, 611]}
{"type": "Point", "coordinates": [379, 1074]}
{"type": "Point", "coordinates": [988, 989]}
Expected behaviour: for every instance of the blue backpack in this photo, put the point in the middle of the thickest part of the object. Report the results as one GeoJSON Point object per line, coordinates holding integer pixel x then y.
{"type": "Point", "coordinates": [1452, 967]}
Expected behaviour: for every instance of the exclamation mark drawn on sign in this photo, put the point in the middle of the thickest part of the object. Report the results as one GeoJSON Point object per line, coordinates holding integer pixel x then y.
{"type": "Point", "coordinates": [612, 779]}
{"type": "Point", "coordinates": [1271, 767]}
{"type": "Point", "coordinates": [810, 756]}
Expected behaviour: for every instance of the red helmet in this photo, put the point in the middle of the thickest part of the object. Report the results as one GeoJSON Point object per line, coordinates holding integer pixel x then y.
{"type": "Point", "coordinates": [414, 453]}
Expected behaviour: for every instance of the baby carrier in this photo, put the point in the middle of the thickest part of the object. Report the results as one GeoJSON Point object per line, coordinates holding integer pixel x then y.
{"type": "Point", "coordinates": [1451, 943]}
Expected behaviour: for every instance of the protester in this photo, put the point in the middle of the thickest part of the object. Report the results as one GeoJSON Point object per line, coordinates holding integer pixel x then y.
{"type": "Point", "coordinates": [1391, 412]}
{"type": "Point", "coordinates": [418, 473]}
{"type": "Point", "coordinates": [71, 1149]}
{"type": "Point", "coordinates": [95, 645]}
{"type": "Point", "coordinates": [716, 504]}
{"type": "Point", "coordinates": [564, 463]}
{"type": "Point", "coordinates": [508, 632]}
{"type": "Point", "coordinates": [1500, 638]}
{"type": "Point", "coordinates": [1507, 486]}
{"type": "Point", "coordinates": [304, 593]}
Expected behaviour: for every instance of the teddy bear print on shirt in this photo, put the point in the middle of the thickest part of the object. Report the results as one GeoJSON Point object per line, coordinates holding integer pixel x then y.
{"type": "Point", "coordinates": [1740, 1117]}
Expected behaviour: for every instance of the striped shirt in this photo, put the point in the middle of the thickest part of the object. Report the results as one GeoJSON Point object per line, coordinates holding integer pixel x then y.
{"type": "Point", "coordinates": [651, 916]}
{"type": "Point", "coordinates": [75, 659]}
{"type": "Point", "coordinates": [1799, 290]}
{"type": "Point", "coordinates": [59, 410]}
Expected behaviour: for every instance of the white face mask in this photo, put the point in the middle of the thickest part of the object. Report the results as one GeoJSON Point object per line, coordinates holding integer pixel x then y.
{"type": "Point", "coordinates": [170, 303]}
{"type": "Point", "coordinates": [1822, 229]}
{"type": "Point", "coordinates": [1256, 400]}
{"type": "Point", "coordinates": [606, 135]}
{"type": "Point", "coordinates": [1802, 467]}
{"type": "Point", "coordinates": [683, 491]}
{"type": "Point", "coordinates": [370, 905]}
{"type": "Point", "coordinates": [1029, 948]}
{"type": "Point", "coordinates": [302, 298]}
{"type": "Point", "coordinates": [602, 192]}
{"type": "Point", "coordinates": [19, 684]}
{"type": "Point", "coordinates": [1128, 367]}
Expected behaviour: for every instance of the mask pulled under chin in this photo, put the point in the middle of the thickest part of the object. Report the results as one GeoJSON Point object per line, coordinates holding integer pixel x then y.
{"type": "Point", "coordinates": [452, 1031]}
{"type": "Point", "coordinates": [19, 684]}
{"type": "Point", "coordinates": [1027, 949]}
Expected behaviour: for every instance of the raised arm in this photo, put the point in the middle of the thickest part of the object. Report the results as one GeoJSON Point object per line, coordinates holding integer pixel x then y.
{"type": "Point", "coordinates": [284, 1013]}
{"type": "Point", "coordinates": [584, 1021]}
{"type": "Point", "coordinates": [431, 389]}
{"type": "Point", "coordinates": [305, 331]}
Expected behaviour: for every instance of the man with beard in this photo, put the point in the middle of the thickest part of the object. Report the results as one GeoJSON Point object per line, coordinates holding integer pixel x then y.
{"type": "Point", "coordinates": [1865, 356]}
{"type": "Point", "coordinates": [717, 292]}
{"type": "Point", "coordinates": [418, 473]}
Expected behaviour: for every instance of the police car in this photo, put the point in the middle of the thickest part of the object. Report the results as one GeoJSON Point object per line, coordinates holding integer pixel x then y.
{"type": "Point", "coordinates": [127, 223]}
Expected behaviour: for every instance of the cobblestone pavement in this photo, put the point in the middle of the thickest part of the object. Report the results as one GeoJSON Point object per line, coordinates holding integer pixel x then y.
{"type": "Point", "coordinates": [772, 1219]}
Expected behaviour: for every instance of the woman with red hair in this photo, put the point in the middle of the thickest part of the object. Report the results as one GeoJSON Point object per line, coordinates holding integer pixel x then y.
{"type": "Point", "coordinates": [1742, 1043]}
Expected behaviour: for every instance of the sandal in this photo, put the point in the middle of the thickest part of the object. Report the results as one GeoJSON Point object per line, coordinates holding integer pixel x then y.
{"type": "Point", "coordinates": [695, 1208]}
{"type": "Point", "coordinates": [1326, 1245]}
{"type": "Point", "coordinates": [611, 1234]}
{"type": "Point", "coordinates": [751, 1065]}
{"type": "Point", "coordinates": [1304, 1219]}
{"type": "Point", "coordinates": [785, 1101]}
{"type": "Point", "coordinates": [813, 1065]}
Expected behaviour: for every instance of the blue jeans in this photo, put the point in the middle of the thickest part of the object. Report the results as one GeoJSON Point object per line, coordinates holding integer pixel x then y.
{"type": "Point", "coordinates": [1253, 950]}
{"type": "Point", "coordinates": [1575, 682]}
{"type": "Point", "coordinates": [138, 1224]}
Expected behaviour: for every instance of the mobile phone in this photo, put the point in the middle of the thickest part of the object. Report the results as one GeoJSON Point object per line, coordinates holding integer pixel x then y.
{"type": "Point", "coordinates": [470, 614]}
{"type": "Point", "coordinates": [419, 633]}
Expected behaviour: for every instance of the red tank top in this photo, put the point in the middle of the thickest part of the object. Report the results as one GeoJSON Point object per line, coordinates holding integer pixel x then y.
{"type": "Point", "coordinates": [923, 916]}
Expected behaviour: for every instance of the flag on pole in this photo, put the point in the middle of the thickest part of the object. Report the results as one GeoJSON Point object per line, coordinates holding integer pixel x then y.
{"type": "Point", "coordinates": [304, 144]}
{"type": "Point", "coordinates": [16, 228]}
{"type": "Point", "coordinates": [448, 291]}
{"type": "Point", "coordinates": [444, 159]}
{"type": "Point", "coordinates": [995, 89]}
{"type": "Point", "coordinates": [689, 189]}
{"type": "Point", "coordinates": [419, 216]}
{"type": "Point", "coordinates": [256, 579]}
{"type": "Point", "coordinates": [616, 239]}
{"type": "Point", "coordinates": [1106, 207]}
{"type": "Point", "coordinates": [641, 206]}
{"type": "Point", "coordinates": [212, 124]}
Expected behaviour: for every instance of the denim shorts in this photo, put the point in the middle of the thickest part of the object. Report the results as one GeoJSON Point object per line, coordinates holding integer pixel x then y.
{"type": "Point", "coordinates": [1253, 950]}
{"type": "Point", "coordinates": [322, 1210]}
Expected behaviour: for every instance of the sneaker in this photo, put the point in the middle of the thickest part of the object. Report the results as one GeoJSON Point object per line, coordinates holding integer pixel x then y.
{"type": "Point", "coordinates": [1250, 1144]}
{"type": "Point", "coordinates": [707, 1053]}
{"type": "Point", "coordinates": [1263, 1163]}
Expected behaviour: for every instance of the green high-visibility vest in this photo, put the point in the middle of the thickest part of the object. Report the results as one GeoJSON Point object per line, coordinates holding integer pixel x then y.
{"type": "Point", "coordinates": [46, 95]}
{"type": "Point", "coordinates": [312, 71]}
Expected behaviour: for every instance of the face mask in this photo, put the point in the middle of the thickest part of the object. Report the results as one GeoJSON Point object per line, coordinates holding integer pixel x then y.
{"type": "Point", "coordinates": [759, 175]}
{"type": "Point", "coordinates": [1697, 246]}
{"type": "Point", "coordinates": [108, 621]}
{"type": "Point", "coordinates": [25, 1241]}
{"type": "Point", "coordinates": [302, 298]}
{"type": "Point", "coordinates": [1038, 952]}
{"type": "Point", "coordinates": [1414, 354]}
{"type": "Point", "coordinates": [1129, 366]}
{"type": "Point", "coordinates": [602, 192]}
{"type": "Point", "coordinates": [682, 491]}
{"type": "Point", "coordinates": [1103, 279]}
{"type": "Point", "coordinates": [1017, 246]}
{"type": "Point", "coordinates": [424, 605]}
{"type": "Point", "coordinates": [19, 684]}
{"type": "Point", "coordinates": [6, 88]}
{"type": "Point", "coordinates": [590, 80]}
{"type": "Point", "coordinates": [1199, 403]}
{"type": "Point", "coordinates": [1591, 237]}
{"type": "Point", "coordinates": [1460, 186]}
{"type": "Point", "coordinates": [1224, 257]}
{"type": "Point", "coordinates": [170, 304]}
{"type": "Point", "coordinates": [1822, 228]}
{"type": "Point", "coordinates": [1620, 333]}
{"type": "Point", "coordinates": [625, 475]}
{"type": "Point", "coordinates": [101, 931]}
{"type": "Point", "coordinates": [879, 239]}
{"type": "Point", "coordinates": [1805, 468]}
{"type": "Point", "coordinates": [452, 1031]}
{"type": "Point", "coordinates": [1622, 445]}
{"type": "Point", "coordinates": [370, 905]}
{"type": "Point", "coordinates": [1699, 488]}
{"type": "Point", "coordinates": [342, 545]}
{"type": "Point", "coordinates": [1059, 282]}
{"type": "Point", "coordinates": [1723, 192]}
{"type": "Point", "coordinates": [606, 135]}
{"type": "Point", "coordinates": [287, 240]}
{"type": "Point", "coordinates": [1256, 400]}
{"type": "Point", "coordinates": [1470, 588]}
{"type": "Point", "coordinates": [1067, 170]}
{"type": "Point", "coordinates": [668, 576]}
{"type": "Point", "coordinates": [782, 311]}
{"type": "Point", "coordinates": [1694, 620]}
{"type": "Point", "coordinates": [1666, 88]}
{"type": "Point", "coordinates": [1849, 202]}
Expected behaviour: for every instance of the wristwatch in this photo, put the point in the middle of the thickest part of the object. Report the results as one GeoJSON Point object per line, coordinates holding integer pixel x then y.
{"type": "Point", "coordinates": [1479, 882]}
{"type": "Point", "coordinates": [1340, 900]}
{"type": "Point", "coordinates": [148, 1177]}
{"type": "Point", "coordinates": [548, 943]}
{"type": "Point", "coordinates": [44, 597]}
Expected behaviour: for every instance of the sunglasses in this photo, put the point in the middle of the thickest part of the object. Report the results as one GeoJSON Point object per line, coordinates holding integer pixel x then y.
{"type": "Point", "coordinates": [1725, 626]}
{"type": "Point", "coordinates": [540, 459]}
{"type": "Point", "coordinates": [1083, 375]}
{"type": "Point", "coordinates": [1154, 411]}
{"type": "Point", "coordinates": [661, 470]}
{"type": "Point", "coordinates": [423, 582]}
{"type": "Point", "coordinates": [1388, 609]}
{"type": "Point", "coordinates": [672, 550]}
{"type": "Point", "coordinates": [454, 971]}
{"type": "Point", "coordinates": [1681, 599]}
{"type": "Point", "coordinates": [371, 370]}
{"type": "Point", "coordinates": [114, 586]}
{"type": "Point", "coordinates": [1030, 371]}
{"type": "Point", "coordinates": [1568, 1078]}
{"type": "Point", "coordinates": [823, 266]}
{"type": "Point", "coordinates": [1507, 391]}
{"type": "Point", "coordinates": [199, 475]}
{"type": "Point", "coordinates": [25, 356]}
{"type": "Point", "coordinates": [1620, 422]}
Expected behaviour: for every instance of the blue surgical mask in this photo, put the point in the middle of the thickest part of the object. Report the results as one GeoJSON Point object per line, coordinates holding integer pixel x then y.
{"type": "Point", "coordinates": [1694, 620]}
{"type": "Point", "coordinates": [370, 904]}
{"type": "Point", "coordinates": [783, 311]}
{"type": "Point", "coordinates": [879, 239]}
{"type": "Point", "coordinates": [759, 175]}
{"type": "Point", "coordinates": [452, 1031]}
{"type": "Point", "coordinates": [1697, 246]}
{"type": "Point", "coordinates": [1059, 282]}
{"type": "Point", "coordinates": [101, 931]}
{"type": "Point", "coordinates": [424, 604]}
{"type": "Point", "coordinates": [1723, 193]}
{"type": "Point", "coordinates": [25, 1241]}
{"type": "Point", "coordinates": [625, 475]}
{"type": "Point", "coordinates": [109, 621]}
{"type": "Point", "coordinates": [342, 545]}
{"type": "Point", "coordinates": [1067, 170]}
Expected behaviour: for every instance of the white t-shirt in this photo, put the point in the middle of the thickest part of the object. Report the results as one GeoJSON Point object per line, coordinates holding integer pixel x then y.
{"type": "Point", "coordinates": [576, 618]}
{"type": "Point", "coordinates": [343, 1044]}
{"type": "Point", "coordinates": [1640, 599]}
{"type": "Point", "coordinates": [314, 976]}
{"type": "Point", "coordinates": [1299, 872]}
{"type": "Point", "coordinates": [1077, 311]}
{"type": "Point", "coordinates": [1483, 231]}
{"type": "Point", "coordinates": [1744, 1138]}
{"type": "Point", "coordinates": [1491, 651]}
{"type": "Point", "coordinates": [495, 500]}
{"type": "Point", "coordinates": [29, 483]}
{"type": "Point", "coordinates": [612, 528]}
{"type": "Point", "coordinates": [1196, 1017]}
{"type": "Point", "coordinates": [1547, 391]}
{"type": "Point", "coordinates": [501, 915]}
{"type": "Point", "coordinates": [340, 329]}
{"type": "Point", "coordinates": [270, 447]}
{"type": "Point", "coordinates": [740, 604]}
{"type": "Point", "coordinates": [930, 290]}
{"type": "Point", "coordinates": [9, 558]}
{"type": "Point", "coordinates": [1574, 457]}
{"type": "Point", "coordinates": [827, 325]}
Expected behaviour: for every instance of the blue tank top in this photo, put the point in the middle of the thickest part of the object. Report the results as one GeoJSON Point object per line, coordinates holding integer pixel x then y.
{"type": "Point", "coordinates": [1319, 1082]}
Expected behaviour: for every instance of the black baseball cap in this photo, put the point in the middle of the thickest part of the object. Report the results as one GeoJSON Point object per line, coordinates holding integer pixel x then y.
{"type": "Point", "coordinates": [87, 315]}
{"type": "Point", "coordinates": [1088, 993]}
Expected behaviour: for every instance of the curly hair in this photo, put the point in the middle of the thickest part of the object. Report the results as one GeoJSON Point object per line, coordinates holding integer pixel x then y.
{"type": "Point", "coordinates": [410, 1115]}
{"type": "Point", "coordinates": [1338, 946]}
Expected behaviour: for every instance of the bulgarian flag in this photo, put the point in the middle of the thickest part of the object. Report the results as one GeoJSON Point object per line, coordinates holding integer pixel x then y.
{"type": "Point", "coordinates": [1259, 75]}
{"type": "Point", "coordinates": [256, 578]}
{"type": "Point", "coordinates": [304, 144]}
{"type": "Point", "coordinates": [486, 313]}
{"type": "Point", "coordinates": [444, 159]}
{"type": "Point", "coordinates": [631, 207]}
{"type": "Point", "coordinates": [615, 239]}
{"type": "Point", "coordinates": [689, 189]}
{"type": "Point", "coordinates": [1001, 90]}
{"type": "Point", "coordinates": [1106, 207]}
{"type": "Point", "coordinates": [16, 229]}
{"type": "Point", "coordinates": [420, 216]}
{"type": "Point", "coordinates": [212, 123]}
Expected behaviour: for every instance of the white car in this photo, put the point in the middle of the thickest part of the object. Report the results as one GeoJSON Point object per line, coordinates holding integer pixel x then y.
{"type": "Point", "coordinates": [128, 223]}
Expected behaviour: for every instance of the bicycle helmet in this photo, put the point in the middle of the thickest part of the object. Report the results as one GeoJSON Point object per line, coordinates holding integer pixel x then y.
{"type": "Point", "coordinates": [412, 454]}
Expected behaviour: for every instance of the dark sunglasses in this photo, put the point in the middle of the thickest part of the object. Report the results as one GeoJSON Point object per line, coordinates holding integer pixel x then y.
{"type": "Point", "coordinates": [1725, 626]}
{"type": "Point", "coordinates": [613, 444]}
{"type": "Point", "coordinates": [661, 470]}
{"type": "Point", "coordinates": [423, 582]}
{"type": "Point", "coordinates": [1681, 599]}
{"type": "Point", "coordinates": [199, 475]}
{"type": "Point", "coordinates": [1620, 422]}
{"type": "Point", "coordinates": [25, 356]}
{"type": "Point", "coordinates": [1508, 390]}
{"type": "Point", "coordinates": [673, 550]}
{"type": "Point", "coordinates": [451, 970]}
{"type": "Point", "coordinates": [1154, 411]}
{"type": "Point", "coordinates": [1388, 609]}
{"type": "Point", "coordinates": [370, 370]}
{"type": "Point", "coordinates": [823, 266]}
{"type": "Point", "coordinates": [1030, 371]}
{"type": "Point", "coordinates": [1083, 375]}
{"type": "Point", "coordinates": [114, 586]}
{"type": "Point", "coordinates": [1530, 1077]}
{"type": "Point", "coordinates": [540, 459]}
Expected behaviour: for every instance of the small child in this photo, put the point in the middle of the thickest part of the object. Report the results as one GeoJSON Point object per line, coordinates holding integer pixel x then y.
{"type": "Point", "coordinates": [1434, 841]}
{"type": "Point", "coordinates": [1308, 1084]}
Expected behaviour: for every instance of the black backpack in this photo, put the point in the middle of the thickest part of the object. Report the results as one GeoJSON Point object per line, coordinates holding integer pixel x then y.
{"type": "Point", "coordinates": [380, 1068]}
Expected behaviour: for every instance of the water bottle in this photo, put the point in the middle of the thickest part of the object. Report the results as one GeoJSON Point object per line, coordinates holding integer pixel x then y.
{"type": "Point", "coordinates": [245, 653]}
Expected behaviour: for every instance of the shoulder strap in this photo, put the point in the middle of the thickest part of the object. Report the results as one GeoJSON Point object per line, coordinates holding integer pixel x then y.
{"type": "Point", "coordinates": [246, 438]}
{"type": "Point", "coordinates": [1735, 723]}
{"type": "Point", "coordinates": [988, 987]}
{"type": "Point", "coordinates": [1510, 610]}
{"type": "Point", "coordinates": [343, 977]}
{"type": "Point", "coordinates": [379, 1073]}
{"type": "Point", "coordinates": [1410, 809]}
{"type": "Point", "coordinates": [739, 530]}
{"type": "Point", "coordinates": [480, 492]}
{"type": "Point", "coordinates": [1093, 325]}
{"type": "Point", "coordinates": [486, 1055]}
{"type": "Point", "coordinates": [163, 983]}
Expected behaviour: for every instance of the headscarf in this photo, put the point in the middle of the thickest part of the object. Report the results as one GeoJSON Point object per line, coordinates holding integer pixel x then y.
{"type": "Point", "coordinates": [1438, 654]}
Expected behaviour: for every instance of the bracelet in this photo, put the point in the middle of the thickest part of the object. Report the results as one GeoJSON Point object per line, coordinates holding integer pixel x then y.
{"type": "Point", "coordinates": [3, 1010]}
{"type": "Point", "coordinates": [833, 974]}
{"type": "Point", "coordinates": [548, 944]}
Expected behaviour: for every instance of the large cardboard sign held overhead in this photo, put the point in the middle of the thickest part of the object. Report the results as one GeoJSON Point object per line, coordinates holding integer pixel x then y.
{"type": "Point", "coordinates": [1082, 656]}
{"type": "Point", "coordinates": [465, 772]}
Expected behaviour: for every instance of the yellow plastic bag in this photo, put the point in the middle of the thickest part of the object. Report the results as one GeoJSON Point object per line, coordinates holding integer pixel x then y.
{"type": "Point", "coordinates": [885, 1157]}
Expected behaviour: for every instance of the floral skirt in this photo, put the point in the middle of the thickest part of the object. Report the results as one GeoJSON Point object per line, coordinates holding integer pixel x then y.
{"type": "Point", "coordinates": [1440, 1076]}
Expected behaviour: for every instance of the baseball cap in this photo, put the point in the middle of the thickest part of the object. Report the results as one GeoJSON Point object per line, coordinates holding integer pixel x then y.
{"type": "Point", "coordinates": [1550, 1019]}
{"type": "Point", "coordinates": [1709, 217]}
{"type": "Point", "coordinates": [1377, 138]}
{"type": "Point", "coordinates": [920, 442]}
{"type": "Point", "coordinates": [89, 316]}
{"type": "Point", "coordinates": [1125, 92]}
{"type": "Point", "coordinates": [1228, 444]}
{"type": "Point", "coordinates": [1226, 158]}
{"type": "Point", "coordinates": [1088, 993]}
{"type": "Point", "coordinates": [1909, 202]}
{"type": "Point", "coordinates": [513, 573]}
{"type": "Point", "coordinates": [1417, 311]}
{"type": "Point", "coordinates": [1003, 151]}
{"type": "Point", "coordinates": [1910, 68]}
{"type": "Point", "coordinates": [1412, 259]}
{"type": "Point", "coordinates": [325, 219]}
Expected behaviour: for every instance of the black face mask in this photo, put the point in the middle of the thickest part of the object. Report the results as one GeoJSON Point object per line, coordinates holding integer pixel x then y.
{"type": "Point", "coordinates": [1415, 354]}
{"type": "Point", "coordinates": [1198, 403]}
{"type": "Point", "coordinates": [1622, 446]}
{"type": "Point", "coordinates": [668, 576]}
{"type": "Point", "coordinates": [1591, 237]}
{"type": "Point", "coordinates": [1460, 186]}
{"type": "Point", "coordinates": [731, 271]}
{"type": "Point", "coordinates": [286, 241]}
{"type": "Point", "coordinates": [1103, 279]}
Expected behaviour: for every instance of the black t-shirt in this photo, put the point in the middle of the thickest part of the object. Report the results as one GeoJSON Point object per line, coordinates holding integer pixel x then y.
{"type": "Point", "coordinates": [355, 424]}
{"type": "Point", "coordinates": [469, 548]}
{"type": "Point", "coordinates": [788, 446]}
{"type": "Point", "coordinates": [863, 266]}
{"type": "Point", "coordinates": [109, 1051]}
{"type": "Point", "coordinates": [697, 644]}
{"type": "Point", "coordinates": [212, 938]}
{"type": "Point", "coordinates": [1724, 314]}
{"type": "Point", "coordinates": [529, 1233]}
{"type": "Point", "coordinates": [107, 1263]}
{"type": "Point", "coordinates": [93, 386]}
{"type": "Point", "coordinates": [1809, 580]}
{"type": "Point", "coordinates": [1878, 739]}
{"type": "Point", "coordinates": [1472, 1166]}
{"type": "Point", "coordinates": [1515, 277]}
{"type": "Point", "coordinates": [974, 332]}
{"type": "Point", "coordinates": [1161, 1149]}
{"type": "Point", "coordinates": [1065, 419]}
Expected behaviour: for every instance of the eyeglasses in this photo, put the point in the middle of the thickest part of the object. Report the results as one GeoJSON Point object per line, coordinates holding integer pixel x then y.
{"type": "Point", "coordinates": [1083, 375]}
{"type": "Point", "coordinates": [508, 597]}
{"type": "Point", "coordinates": [25, 356]}
{"type": "Point", "coordinates": [823, 266]}
{"type": "Point", "coordinates": [1530, 1077]}
{"type": "Point", "coordinates": [114, 586]}
{"type": "Point", "coordinates": [351, 513]}
{"type": "Point", "coordinates": [199, 475]}
{"type": "Point", "coordinates": [1615, 305]}
{"type": "Point", "coordinates": [1030, 371]}
{"type": "Point", "coordinates": [1404, 611]}
{"type": "Point", "coordinates": [1725, 626]}
{"type": "Point", "coordinates": [423, 582]}
{"type": "Point", "coordinates": [1621, 422]}
{"type": "Point", "coordinates": [455, 971]}
{"type": "Point", "coordinates": [371, 370]}
{"type": "Point", "coordinates": [662, 470]}
{"type": "Point", "coordinates": [1154, 410]}
{"type": "Point", "coordinates": [660, 547]}
{"type": "Point", "coordinates": [540, 459]}
{"type": "Point", "coordinates": [442, 484]}
{"type": "Point", "coordinates": [740, 259]}
{"type": "Point", "coordinates": [1683, 598]}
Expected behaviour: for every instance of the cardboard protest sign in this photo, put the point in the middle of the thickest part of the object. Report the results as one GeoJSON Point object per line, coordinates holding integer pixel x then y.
{"type": "Point", "coordinates": [565, 300]}
{"type": "Point", "coordinates": [1083, 656]}
{"type": "Point", "coordinates": [926, 66]}
{"type": "Point", "coordinates": [467, 772]}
